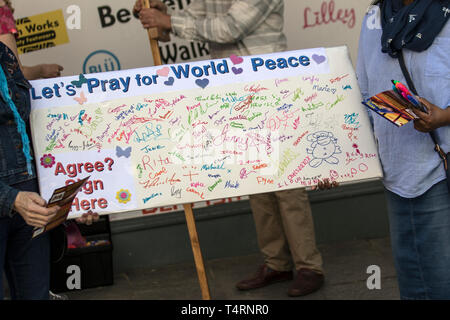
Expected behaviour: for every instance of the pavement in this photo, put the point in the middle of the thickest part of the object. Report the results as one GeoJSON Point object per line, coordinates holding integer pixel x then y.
{"type": "Point", "coordinates": [345, 266]}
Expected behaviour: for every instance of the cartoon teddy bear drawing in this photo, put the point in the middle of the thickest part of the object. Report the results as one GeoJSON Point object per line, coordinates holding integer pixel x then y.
{"type": "Point", "coordinates": [324, 147]}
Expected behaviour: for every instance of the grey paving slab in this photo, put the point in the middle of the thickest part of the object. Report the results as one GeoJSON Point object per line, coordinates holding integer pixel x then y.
{"type": "Point", "coordinates": [121, 290]}
{"type": "Point", "coordinates": [383, 248]}
{"type": "Point", "coordinates": [347, 262]}
{"type": "Point", "coordinates": [345, 278]}
{"type": "Point", "coordinates": [143, 278]}
{"type": "Point", "coordinates": [227, 272]}
{"type": "Point", "coordinates": [358, 291]}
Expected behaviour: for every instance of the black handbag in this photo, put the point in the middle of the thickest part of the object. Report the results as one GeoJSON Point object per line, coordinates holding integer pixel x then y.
{"type": "Point", "coordinates": [442, 154]}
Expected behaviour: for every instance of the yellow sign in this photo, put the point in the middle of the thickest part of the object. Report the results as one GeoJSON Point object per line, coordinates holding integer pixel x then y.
{"type": "Point", "coordinates": [41, 31]}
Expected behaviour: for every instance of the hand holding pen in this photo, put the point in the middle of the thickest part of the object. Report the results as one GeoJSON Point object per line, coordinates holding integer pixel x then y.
{"type": "Point", "coordinates": [430, 116]}
{"type": "Point", "coordinates": [402, 90]}
{"type": "Point", "coordinates": [434, 118]}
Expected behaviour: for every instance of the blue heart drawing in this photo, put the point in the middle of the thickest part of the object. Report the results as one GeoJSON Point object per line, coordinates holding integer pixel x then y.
{"type": "Point", "coordinates": [123, 152]}
{"type": "Point", "coordinates": [237, 70]}
{"type": "Point", "coordinates": [169, 82]}
{"type": "Point", "coordinates": [202, 83]}
{"type": "Point", "coordinates": [318, 59]}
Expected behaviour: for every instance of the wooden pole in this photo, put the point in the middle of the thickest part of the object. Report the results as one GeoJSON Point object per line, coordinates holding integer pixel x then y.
{"type": "Point", "coordinates": [152, 35]}
{"type": "Point", "coordinates": [190, 220]}
{"type": "Point", "coordinates": [195, 243]}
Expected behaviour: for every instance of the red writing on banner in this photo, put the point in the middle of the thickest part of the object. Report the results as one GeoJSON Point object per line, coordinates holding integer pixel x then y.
{"type": "Point", "coordinates": [73, 169]}
{"type": "Point", "coordinates": [91, 204]}
{"type": "Point", "coordinates": [90, 186]}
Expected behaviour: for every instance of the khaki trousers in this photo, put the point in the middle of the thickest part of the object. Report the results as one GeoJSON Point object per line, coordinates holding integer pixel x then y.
{"type": "Point", "coordinates": [285, 230]}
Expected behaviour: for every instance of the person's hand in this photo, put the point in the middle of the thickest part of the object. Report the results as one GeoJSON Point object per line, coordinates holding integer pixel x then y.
{"type": "Point", "coordinates": [50, 70]}
{"type": "Point", "coordinates": [32, 208]}
{"type": "Point", "coordinates": [154, 18]}
{"type": "Point", "coordinates": [325, 184]}
{"type": "Point", "coordinates": [138, 7]}
{"type": "Point", "coordinates": [88, 218]}
{"type": "Point", "coordinates": [163, 33]}
{"type": "Point", "coordinates": [155, 4]}
{"type": "Point", "coordinates": [159, 5]}
{"type": "Point", "coordinates": [435, 118]}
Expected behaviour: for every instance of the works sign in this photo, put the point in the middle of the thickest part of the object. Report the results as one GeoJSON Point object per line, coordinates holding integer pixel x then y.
{"type": "Point", "coordinates": [41, 31]}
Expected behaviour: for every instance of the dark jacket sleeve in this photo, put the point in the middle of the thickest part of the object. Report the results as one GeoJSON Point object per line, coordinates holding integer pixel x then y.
{"type": "Point", "coordinates": [7, 197]}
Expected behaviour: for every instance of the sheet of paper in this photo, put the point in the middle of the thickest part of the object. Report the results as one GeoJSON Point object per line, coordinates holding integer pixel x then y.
{"type": "Point", "coordinates": [392, 107]}
{"type": "Point", "coordinates": [63, 198]}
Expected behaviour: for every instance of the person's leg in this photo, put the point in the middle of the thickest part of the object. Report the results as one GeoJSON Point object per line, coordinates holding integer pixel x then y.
{"type": "Point", "coordinates": [4, 230]}
{"type": "Point", "coordinates": [5, 288]}
{"type": "Point", "coordinates": [420, 237]}
{"type": "Point", "coordinates": [269, 229]}
{"type": "Point", "coordinates": [27, 264]}
{"type": "Point", "coordinates": [272, 242]}
{"type": "Point", "coordinates": [298, 226]}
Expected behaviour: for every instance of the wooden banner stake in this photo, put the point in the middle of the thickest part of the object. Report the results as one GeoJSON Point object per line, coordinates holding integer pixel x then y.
{"type": "Point", "coordinates": [195, 243]}
{"type": "Point", "coordinates": [190, 220]}
{"type": "Point", "coordinates": [152, 36]}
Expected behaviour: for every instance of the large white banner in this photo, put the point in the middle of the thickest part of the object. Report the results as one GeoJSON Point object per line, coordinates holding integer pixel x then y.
{"type": "Point", "coordinates": [204, 130]}
{"type": "Point", "coordinates": [103, 35]}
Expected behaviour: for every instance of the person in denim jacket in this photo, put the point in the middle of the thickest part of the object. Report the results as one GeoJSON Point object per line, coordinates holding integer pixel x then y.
{"type": "Point", "coordinates": [26, 262]}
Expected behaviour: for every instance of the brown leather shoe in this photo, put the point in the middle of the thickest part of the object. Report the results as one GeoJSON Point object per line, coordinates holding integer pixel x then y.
{"type": "Point", "coordinates": [264, 277]}
{"type": "Point", "coordinates": [306, 282]}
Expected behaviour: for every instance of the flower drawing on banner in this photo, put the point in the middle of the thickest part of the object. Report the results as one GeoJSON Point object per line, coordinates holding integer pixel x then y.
{"type": "Point", "coordinates": [123, 196]}
{"type": "Point", "coordinates": [47, 161]}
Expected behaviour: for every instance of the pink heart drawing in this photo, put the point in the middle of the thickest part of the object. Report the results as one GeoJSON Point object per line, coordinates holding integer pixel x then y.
{"type": "Point", "coordinates": [237, 70]}
{"type": "Point", "coordinates": [318, 59]}
{"type": "Point", "coordinates": [164, 72]}
{"type": "Point", "coordinates": [235, 59]}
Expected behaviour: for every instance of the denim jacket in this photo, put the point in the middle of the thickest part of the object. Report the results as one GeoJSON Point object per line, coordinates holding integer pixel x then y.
{"type": "Point", "coordinates": [13, 165]}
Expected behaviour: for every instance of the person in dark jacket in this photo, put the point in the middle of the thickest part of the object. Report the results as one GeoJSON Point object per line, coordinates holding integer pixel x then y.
{"type": "Point", "coordinates": [25, 261]}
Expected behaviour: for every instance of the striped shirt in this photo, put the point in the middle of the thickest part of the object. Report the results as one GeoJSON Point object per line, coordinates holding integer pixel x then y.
{"type": "Point", "coordinates": [240, 27]}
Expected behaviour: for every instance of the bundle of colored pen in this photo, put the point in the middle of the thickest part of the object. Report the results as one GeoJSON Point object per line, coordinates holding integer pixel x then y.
{"type": "Point", "coordinates": [395, 105]}
{"type": "Point", "coordinates": [405, 93]}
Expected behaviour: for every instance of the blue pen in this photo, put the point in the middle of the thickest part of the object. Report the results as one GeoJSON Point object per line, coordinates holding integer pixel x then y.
{"type": "Point", "coordinates": [418, 104]}
{"type": "Point", "coordinates": [413, 100]}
